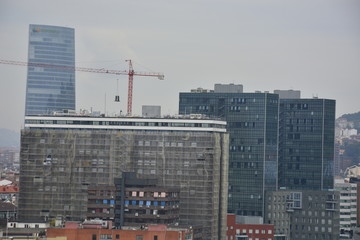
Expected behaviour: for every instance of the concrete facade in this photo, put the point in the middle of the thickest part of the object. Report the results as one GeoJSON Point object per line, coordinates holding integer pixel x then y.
{"type": "Point", "coordinates": [304, 214]}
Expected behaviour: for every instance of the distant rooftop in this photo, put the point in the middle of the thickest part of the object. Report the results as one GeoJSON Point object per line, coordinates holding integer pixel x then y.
{"type": "Point", "coordinates": [288, 94]}
{"type": "Point", "coordinates": [221, 88]}
{"type": "Point", "coordinates": [9, 189]}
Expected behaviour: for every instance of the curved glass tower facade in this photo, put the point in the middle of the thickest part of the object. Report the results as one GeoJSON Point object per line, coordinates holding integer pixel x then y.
{"type": "Point", "coordinates": [50, 89]}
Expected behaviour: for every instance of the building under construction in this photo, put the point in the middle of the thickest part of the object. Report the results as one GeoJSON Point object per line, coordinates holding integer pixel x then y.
{"type": "Point", "coordinates": [62, 156]}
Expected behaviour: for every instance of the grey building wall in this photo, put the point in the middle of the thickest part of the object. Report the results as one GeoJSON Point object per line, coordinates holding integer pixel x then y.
{"type": "Point", "coordinates": [288, 94]}
{"type": "Point", "coordinates": [151, 111]}
{"type": "Point", "coordinates": [304, 214]}
{"type": "Point", "coordinates": [228, 88]}
{"type": "Point", "coordinates": [50, 89]}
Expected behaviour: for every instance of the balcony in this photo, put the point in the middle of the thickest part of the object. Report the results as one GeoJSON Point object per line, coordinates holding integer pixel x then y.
{"type": "Point", "coordinates": [151, 216]}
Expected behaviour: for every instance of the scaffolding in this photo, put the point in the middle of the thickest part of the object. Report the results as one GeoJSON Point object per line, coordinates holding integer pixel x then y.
{"type": "Point", "coordinates": [58, 166]}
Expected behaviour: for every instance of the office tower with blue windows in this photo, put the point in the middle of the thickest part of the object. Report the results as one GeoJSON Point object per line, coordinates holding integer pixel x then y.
{"type": "Point", "coordinates": [306, 143]}
{"type": "Point", "coordinates": [49, 88]}
{"type": "Point", "coordinates": [252, 124]}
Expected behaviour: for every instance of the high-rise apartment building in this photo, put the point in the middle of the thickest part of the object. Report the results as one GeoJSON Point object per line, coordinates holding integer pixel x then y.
{"type": "Point", "coordinates": [62, 156]}
{"type": "Point", "coordinates": [306, 144]}
{"type": "Point", "coordinates": [49, 88]}
{"type": "Point", "coordinates": [252, 124]}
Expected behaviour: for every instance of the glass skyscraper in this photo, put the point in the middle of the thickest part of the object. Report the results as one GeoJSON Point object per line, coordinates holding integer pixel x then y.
{"type": "Point", "coordinates": [49, 88]}
{"type": "Point", "coordinates": [252, 124]}
{"type": "Point", "coordinates": [306, 143]}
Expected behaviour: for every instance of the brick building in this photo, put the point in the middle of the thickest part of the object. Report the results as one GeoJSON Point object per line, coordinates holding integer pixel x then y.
{"type": "Point", "coordinates": [238, 231]}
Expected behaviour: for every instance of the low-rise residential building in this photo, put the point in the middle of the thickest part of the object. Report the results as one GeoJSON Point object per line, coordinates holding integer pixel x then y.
{"type": "Point", "coordinates": [25, 229]}
{"type": "Point", "coordinates": [9, 193]}
{"type": "Point", "coordinates": [238, 230]}
{"type": "Point", "coordinates": [28, 224]}
{"type": "Point", "coordinates": [303, 214]}
{"type": "Point", "coordinates": [7, 210]}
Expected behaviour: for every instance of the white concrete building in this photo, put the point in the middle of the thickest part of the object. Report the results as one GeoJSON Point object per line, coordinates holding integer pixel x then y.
{"type": "Point", "coordinates": [28, 224]}
{"type": "Point", "coordinates": [348, 205]}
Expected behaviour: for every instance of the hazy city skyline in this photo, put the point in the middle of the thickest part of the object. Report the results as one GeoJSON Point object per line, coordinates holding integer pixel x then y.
{"type": "Point", "coordinates": [312, 46]}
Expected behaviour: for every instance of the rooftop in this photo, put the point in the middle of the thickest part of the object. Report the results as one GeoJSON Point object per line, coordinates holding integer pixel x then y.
{"type": "Point", "coordinates": [179, 123]}
{"type": "Point", "coordinates": [9, 189]}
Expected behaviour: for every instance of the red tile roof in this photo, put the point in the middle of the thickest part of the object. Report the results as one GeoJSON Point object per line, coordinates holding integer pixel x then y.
{"type": "Point", "coordinates": [9, 189]}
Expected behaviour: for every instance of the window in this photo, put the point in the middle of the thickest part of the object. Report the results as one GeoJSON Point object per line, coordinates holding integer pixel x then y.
{"type": "Point", "coordinates": [105, 237]}
{"type": "Point", "coordinates": [94, 237]}
{"type": "Point", "coordinates": [117, 236]}
{"type": "Point", "coordinates": [155, 237]}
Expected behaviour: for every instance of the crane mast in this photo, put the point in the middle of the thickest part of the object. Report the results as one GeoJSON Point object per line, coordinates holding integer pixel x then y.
{"type": "Point", "coordinates": [130, 87]}
{"type": "Point", "coordinates": [131, 73]}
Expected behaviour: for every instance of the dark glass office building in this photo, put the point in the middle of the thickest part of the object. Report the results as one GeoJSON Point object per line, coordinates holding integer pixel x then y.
{"type": "Point", "coordinates": [252, 123]}
{"type": "Point", "coordinates": [306, 143]}
{"type": "Point", "coordinates": [50, 89]}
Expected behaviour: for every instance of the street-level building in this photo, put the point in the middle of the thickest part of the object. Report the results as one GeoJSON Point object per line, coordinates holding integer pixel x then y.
{"type": "Point", "coordinates": [151, 232]}
{"type": "Point", "coordinates": [239, 229]}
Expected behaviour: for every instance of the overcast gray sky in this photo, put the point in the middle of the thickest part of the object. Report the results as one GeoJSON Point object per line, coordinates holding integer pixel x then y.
{"type": "Point", "coordinates": [307, 45]}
